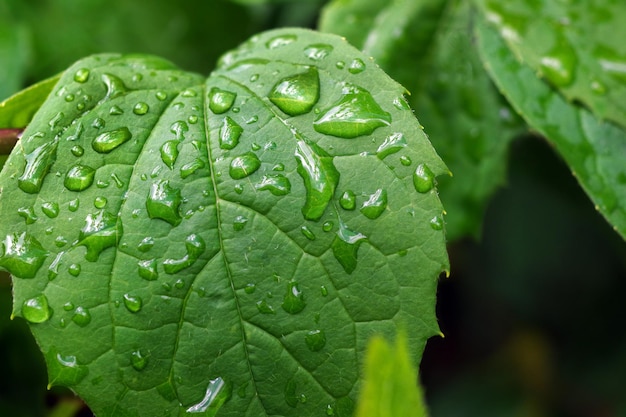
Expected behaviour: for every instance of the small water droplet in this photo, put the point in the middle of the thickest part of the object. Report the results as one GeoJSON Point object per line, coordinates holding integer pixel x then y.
{"type": "Point", "coordinates": [330, 411]}
{"type": "Point", "coordinates": [320, 178]}
{"type": "Point", "coordinates": [114, 85]}
{"type": "Point", "coordinates": [315, 340]}
{"type": "Point", "coordinates": [250, 288]}
{"type": "Point", "coordinates": [355, 114]}
{"type": "Point", "coordinates": [308, 233]}
{"type": "Point", "coordinates": [405, 160]}
{"type": "Point", "coordinates": [81, 316]}
{"type": "Point", "coordinates": [98, 123]}
{"type": "Point", "coordinates": [69, 98]}
{"type": "Point", "coordinates": [108, 141]}
{"type": "Point", "coordinates": [146, 244]}
{"type": "Point", "coordinates": [169, 153]}
{"type": "Point", "coordinates": [116, 111]}
{"type": "Point", "coordinates": [559, 65]}
{"type": "Point", "coordinates": [239, 223]}
{"type": "Point", "coordinates": [392, 144]}
{"type": "Point", "coordinates": [328, 226]}
{"type": "Point", "coordinates": [22, 255]}
{"type": "Point", "coordinates": [436, 223]}
{"type": "Point", "coordinates": [163, 203]}
{"type": "Point", "coordinates": [179, 128]}
{"type": "Point", "coordinates": [356, 66]}
{"type": "Point", "coordinates": [423, 179]}
{"type": "Point", "coordinates": [264, 307]}
{"type": "Point", "coordinates": [216, 394]}
{"type": "Point", "coordinates": [56, 120]}
{"type": "Point", "coordinates": [79, 177]}
{"type": "Point", "coordinates": [161, 95]}
{"type": "Point", "coordinates": [375, 205]}
{"type": "Point", "coordinates": [254, 78]}
{"type": "Point", "coordinates": [60, 241]}
{"type": "Point", "coordinates": [69, 306]}
{"type": "Point", "coordinates": [141, 108]}
{"type": "Point", "coordinates": [101, 231]}
{"type": "Point", "coordinates": [36, 310]}
{"type": "Point", "coordinates": [38, 163]}
{"type": "Point", "coordinates": [324, 291]}
{"type": "Point", "coordinates": [133, 303]}
{"type": "Point", "coordinates": [77, 150]}
{"type": "Point", "coordinates": [244, 165]}
{"type": "Point", "coordinates": [293, 301]}
{"type": "Point", "coordinates": [318, 51]}
{"type": "Point", "coordinates": [340, 65]}
{"type": "Point", "coordinates": [191, 167]}
{"type": "Point", "coordinates": [347, 201]}
{"type": "Point", "coordinates": [138, 360]}
{"type": "Point", "coordinates": [229, 134]}
{"type": "Point", "coordinates": [73, 205]}
{"type": "Point", "coordinates": [147, 269]}
{"type": "Point", "coordinates": [345, 247]}
{"type": "Point", "coordinates": [195, 246]}
{"type": "Point", "coordinates": [74, 269]}
{"type": "Point", "coordinates": [275, 184]}
{"type": "Point", "coordinates": [100, 202]}
{"type": "Point", "coordinates": [598, 87]}
{"type": "Point", "coordinates": [239, 188]}
{"type": "Point", "coordinates": [81, 75]}
{"type": "Point", "coordinates": [297, 94]}
{"type": "Point", "coordinates": [220, 101]}
{"type": "Point", "coordinates": [278, 167]}
{"type": "Point", "coordinates": [280, 41]}
{"type": "Point", "coordinates": [400, 103]}
{"type": "Point", "coordinates": [28, 214]}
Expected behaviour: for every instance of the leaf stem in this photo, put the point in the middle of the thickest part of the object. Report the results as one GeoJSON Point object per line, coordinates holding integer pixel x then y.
{"type": "Point", "coordinates": [8, 140]}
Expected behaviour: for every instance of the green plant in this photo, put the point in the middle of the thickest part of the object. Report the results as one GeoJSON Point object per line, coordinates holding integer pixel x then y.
{"type": "Point", "coordinates": [229, 245]}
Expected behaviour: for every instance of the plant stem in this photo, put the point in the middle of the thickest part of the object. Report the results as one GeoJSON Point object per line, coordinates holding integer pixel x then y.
{"type": "Point", "coordinates": [8, 140]}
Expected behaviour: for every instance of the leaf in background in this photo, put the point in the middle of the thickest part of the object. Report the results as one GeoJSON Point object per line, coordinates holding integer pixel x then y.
{"type": "Point", "coordinates": [427, 46]}
{"type": "Point", "coordinates": [18, 110]}
{"type": "Point", "coordinates": [593, 149]}
{"type": "Point", "coordinates": [391, 387]}
{"type": "Point", "coordinates": [15, 51]}
{"type": "Point", "coordinates": [578, 47]}
{"type": "Point", "coordinates": [181, 246]}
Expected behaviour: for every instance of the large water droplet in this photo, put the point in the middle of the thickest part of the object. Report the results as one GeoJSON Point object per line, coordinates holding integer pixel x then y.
{"type": "Point", "coordinates": [355, 114]}
{"type": "Point", "coordinates": [191, 167]}
{"type": "Point", "coordinates": [108, 141]}
{"type": "Point", "coordinates": [280, 41]}
{"type": "Point", "coordinates": [81, 316]}
{"type": "Point", "coordinates": [138, 360]}
{"type": "Point", "coordinates": [133, 303]}
{"type": "Point", "coordinates": [38, 163]}
{"type": "Point", "coordinates": [274, 183]}
{"type": "Point", "coordinates": [244, 165]}
{"type": "Point", "coordinates": [297, 94]}
{"type": "Point", "coordinates": [101, 231]}
{"type": "Point", "coordinates": [179, 128]}
{"type": "Point", "coordinates": [169, 153]}
{"type": "Point", "coordinates": [345, 247]}
{"type": "Point", "coordinates": [347, 201]}
{"type": "Point", "coordinates": [147, 269]}
{"type": "Point", "coordinates": [220, 101]}
{"type": "Point", "coordinates": [163, 203]}
{"type": "Point", "coordinates": [318, 51]}
{"type": "Point", "coordinates": [375, 205]}
{"type": "Point", "coordinates": [79, 177]}
{"type": "Point", "coordinates": [22, 255]}
{"type": "Point", "coordinates": [81, 75]}
{"type": "Point", "coordinates": [293, 301]}
{"type": "Point", "coordinates": [392, 144]}
{"type": "Point", "coordinates": [423, 179]}
{"type": "Point", "coordinates": [320, 178]}
{"type": "Point", "coordinates": [195, 246]}
{"type": "Point", "coordinates": [50, 209]}
{"type": "Point", "coordinates": [114, 85]}
{"type": "Point", "coordinates": [36, 310]}
{"type": "Point", "coordinates": [216, 394]}
{"type": "Point", "coordinates": [315, 340]}
{"type": "Point", "coordinates": [229, 133]}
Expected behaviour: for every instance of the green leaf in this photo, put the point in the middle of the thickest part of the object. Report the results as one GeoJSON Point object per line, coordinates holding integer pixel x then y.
{"type": "Point", "coordinates": [14, 54]}
{"type": "Point", "coordinates": [593, 149]}
{"type": "Point", "coordinates": [391, 386]}
{"type": "Point", "coordinates": [182, 245]}
{"type": "Point", "coordinates": [427, 46]}
{"type": "Point", "coordinates": [18, 110]}
{"type": "Point", "coordinates": [576, 46]}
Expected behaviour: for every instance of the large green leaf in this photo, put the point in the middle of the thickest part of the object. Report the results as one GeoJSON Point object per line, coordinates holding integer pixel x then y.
{"type": "Point", "coordinates": [577, 46]}
{"type": "Point", "coordinates": [180, 245]}
{"type": "Point", "coordinates": [427, 46]}
{"type": "Point", "coordinates": [593, 149]}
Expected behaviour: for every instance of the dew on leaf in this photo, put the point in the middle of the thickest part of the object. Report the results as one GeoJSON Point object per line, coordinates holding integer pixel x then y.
{"type": "Point", "coordinates": [239, 223]}
{"type": "Point", "coordinates": [147, 269]}
{"type": "Point", "coordinates": [56, 119]}
{"type": "Point", "coordinates": [436, 223]}
{"type": "Point", "coordinates": [133, 303]}
{"type": "Point", "coordinates": [220, 101]}
{"type": "Point", "coordinates": [163, 203]}
{"type": "Point", "coordinates": [324, 291]}
{"type": "Point", "coordinates": [229, 134]}
{"type": "Point", "coordinates": [81, 75]}
{"type": "Point", "coordinates": [598, 87]}
{"type": "Point", "coordinates": [179, 128]}
{"type": "Point", "coordinates": [328, 226]}
{"type": "Point", "coordinates": [559, 65]}
{"type": "Point", "coordinates": [98, 123]}
{"type": "Point", "coordinates": [405, 160]}
{"type": "Point", "coordinates": [77, 150]}
{"type": "Point", "coordinates": [244, 165]}
{"type": "Point", "coordinates": [28, 214]}
{"type": "Point", "coordinates": [101, 231]}
{"type": "Point", "coordinates": [375, 205]}
{"type": "Point", "coordinates": [138, 360]}
{"type": "Point", "coordinates": [274, 183]}
{"type": "Point", "coordinates": [392, 144]}
{"type": "Point", "coordinates": [79, 177]}
{"type": "Point", "coordinates": [36, 309]}
{"type": "Point", "coordinates": [400, 103]}
{"type": "Point", "coordinates": [114, 85]}
{"type": "Point", "coordinates": [69, 98]}
{"type": "Point", "coordinates": [347, 201]}
{"type": "Point", "coordinates": [250, 288]}
{"type": "Point", "coordinates": [60, 241]}
{"type": "Point", "coordinates": [191, 167]}
{"type": "Point", "coordinates": [81, 316]}
{"type": "Point", "coordinates": [315, 340]}
{"type": "Point", "coordinates": [100, 202]}
{"type": "Point", "coordinates": [146, 244]}
{"type": "Point", "coordinates": [195, 246]}
{"type": "Point", "coordinates": [423, 179]}
{"type": "Point", "coordinates": [179, 284]}
{"type": "Point", "coordinates": [340, 65]}
{"type": "Point", "coordinates": [293, 301]}
{"type": "Point", "coordinates": [318, 51]}
{"type": "Point", "coordinates": [38, 163]}
{"type": "Point", "coordinates": [64, 369]}
{"type": "Point", "coordinates": [356, 66]}
{"type": "Point", "coordinates": [69, 306]}
{"type": "Point", "coordinates": [239, 188]}
{"type": "Point", "coordinates": [345, 247]}
{"type": "Point", "coordinates": [307, 232]}
{"type": "Point", "coordinates": [296, 94]}
{"type": "Point", "coordinates": [264, 307]}
{"type": "Point", "coordinates": [355, 114]}
{"type": "Point", "coordinates": [22, 255]}
{"type": "Point", "coordinates": [279, 41]}
{"type": "Point", "coordinates": [254, 78]}
{"type": "Point", "coordinates": [169, 153]}
{"type": "Point", "coordinates": [216, 394]}
{"type": "Point", "coordinates": [116, 111]}
{"type": "Point", "coordinates": [278, 167]}
{"type": "Point", "coordinates": [74, 269]}
{"type": "Point", "coordinates": [161, 95]}
{"type": "Point", "coordinates": [141, 108]}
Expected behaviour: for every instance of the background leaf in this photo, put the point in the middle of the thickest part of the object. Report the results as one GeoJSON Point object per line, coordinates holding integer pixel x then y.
{"type": "Point", "coordinates": [224, 245]}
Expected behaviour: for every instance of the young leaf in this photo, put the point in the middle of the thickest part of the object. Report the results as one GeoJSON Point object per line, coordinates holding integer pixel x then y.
{"type": "Point", "coordinates": [18, 110]}
{"type": "Point", "coordinates": [576, 46]}
{"type": "Point", "coordinates": [188, 246]}
{"type": "Point", "coordinates": [593, 149]}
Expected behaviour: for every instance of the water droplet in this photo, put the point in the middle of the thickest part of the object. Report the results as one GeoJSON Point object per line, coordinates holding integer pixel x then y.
{"type": "Point", "coordinates": [163, 203]}
{"type": "Point", "coordinates": [347, 201]}
{"type": "Point", "coordinates": [69, 306]}
{"type": "Point", "coordinates": [340, 65]}
{"type": "Point", "coordinates": [355, 114]}
{"type": "Point", "coordinates": [114, 85]}
{"type": "Point", "coordinates": [375, 205]}
{"type": "Point", "coordinates": [169, 153]}
{"type": "Point", "coordinates": [405, 160]}
{"type": "Point", "coordinates": [423, 179]}
{"type": "Point", "coordinates": [436, 223]}
{"type": "Point", "coordinates": [116, 111]}
{"type": "Point", "coordinates": [22, 255]}
{"type": "Point", "coordinates": [392, 144]}
{"type": "Point", "coordinates": [145, 245]}
{"type": "Point", "coordinates": [275, 184]}
{"type": "Point", "coordinates": [60, 241]}
{"type": "Point", "coordinates": [179, 284]}
{"type": "Point", "coordinates": [324, 291]}
{"type": "Point", "coordinates": [280, 41]}
{"type": "Point", "coordinates": [559, 65]}
{"type": "Point", "coordinates": [38, 163]}
{"type": "Point", "coordinates": [74, 270]}
{"type": "Point", "coordinates": [133, 303]}
{"type": "Point", "coordinates": [141, 108]}
{"type": "Point", "coordinates": [147, 269]}
{"type": "Point", "coordinates": [239, 223]}
{"type": "Point", "coordinates": [50, 209]}
{"type": "Point", "coordinates": [297, 94]}
{"type": "Point", "coordinates": [81, 316]}
{"type": "Point", "coordinates": [345, 247]}
{"type": "Point", "coordinates": [244, 165]}
{"type": "Point", "coordinates": [161, 95]}
{"type": "Point", "coordinates": [81, 75]}
{"type": "Point", "coordinates": [229, 133]}
{"type": "Point", "coordinates": [108, 141]}
{"type": "Point", "coordinates": [73, 205]}
{"type": "Point", "coordinates": [101, 231]}
{"type": "Point", "coordinates": [98, 123]}
{"type": "Point", "coordinates": [28, 214]}
{"type": "Point", "coordinates": [320, 178]}
{"type": "Point", "coordinates": [56, 120]}
{"type": "Point", "coordinates": [179, 128]}
{"type": "Point", "coordinates": [293, 301]}
{"type": "Point", "coordinates": [191, 167]}
{"type": "Point", "coordinates": [36, 310]}
{"type": "Point", "coordinates": [330, 411]}
{"type": "Point", "coordinates": [77, 150]}
{"type": "Point", "coordinates": [315, 340]}
{"type": "Point", "coordinates": [356, 66]}
{"type": "Point", "coordinates": [195, 246]}
{"type": "Point", "coordinates": [69, 98]}
{"type": "Point", "coordinates": [254, 78]}
{"type": "Point", "coordinates": [264, 307]}
{"type": "Point", "coordinates": [308, 233]}
{"type": "Point", "coordinates": [598, 87]}
{"type": "Point", "coordinates": [138, 360]}
{"type": "Point", "coordinates": [239, 188]}
{"type": "Point", "coordinates": [220, 101]}
{"type": "Point", "coordinates": [318, 51]}
{"type": "Point", "coordinates": [100, 202]}
{"type": "Point", "coordinates": [250, 288]}
{"type": "Point", "coordinates": [216, 394]}
{"type": "Point", "coordinates": [79, 177]}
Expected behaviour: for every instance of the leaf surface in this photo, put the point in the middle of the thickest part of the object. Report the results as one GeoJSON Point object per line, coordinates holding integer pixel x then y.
{"type": "Point", "coordinates": [228, 245]}
{"type": "Point", "coordinates": [593, 149]}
